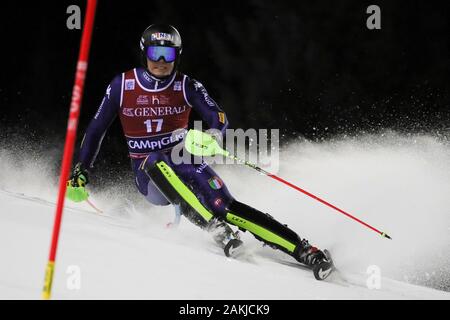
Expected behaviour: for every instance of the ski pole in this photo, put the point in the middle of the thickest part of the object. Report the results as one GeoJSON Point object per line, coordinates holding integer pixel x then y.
{"type": "Point", "coordinates": [94, 207]}
{"type": "Point", "coordinates": [72, 124]}
{"type": "Point", "coordinates": [202, 144]}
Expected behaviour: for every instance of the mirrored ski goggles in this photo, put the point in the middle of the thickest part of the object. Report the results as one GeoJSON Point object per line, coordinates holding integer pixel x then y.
{"type": "Point", "coordinates": [154, 53]}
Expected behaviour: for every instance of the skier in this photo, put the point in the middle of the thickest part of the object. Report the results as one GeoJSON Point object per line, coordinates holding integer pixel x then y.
{"type": "Point", "coordinates": [154, 101]}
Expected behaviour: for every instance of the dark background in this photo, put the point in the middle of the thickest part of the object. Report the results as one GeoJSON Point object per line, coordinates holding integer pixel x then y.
{"type": "Point", "coordinates": [309, 68]}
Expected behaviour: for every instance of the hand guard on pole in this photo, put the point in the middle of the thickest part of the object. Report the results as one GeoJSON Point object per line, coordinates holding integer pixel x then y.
{"type": "Point", "coordinates": [76, 190]}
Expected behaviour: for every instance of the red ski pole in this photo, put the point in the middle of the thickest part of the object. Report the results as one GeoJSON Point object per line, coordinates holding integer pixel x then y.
{"type": "Point", "coordinates": [72, 124]}
{"type": "Point", "coordinates": [203, 144]}
{"type": "Point", "coordinates": [383, 234]}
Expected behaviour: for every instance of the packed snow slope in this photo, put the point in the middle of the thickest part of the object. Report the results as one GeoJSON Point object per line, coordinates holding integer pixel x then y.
{"type": "Point", "coordinates": [399, 184]}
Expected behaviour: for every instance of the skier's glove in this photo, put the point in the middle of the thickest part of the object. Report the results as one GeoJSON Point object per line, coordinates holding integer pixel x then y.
{"type": "Point", "coordinates": [76, 190]}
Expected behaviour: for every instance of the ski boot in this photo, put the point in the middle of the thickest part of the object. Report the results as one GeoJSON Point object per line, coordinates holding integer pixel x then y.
{"type": "Point", "coordinates": [319, 261]}
{"type": "Point", "coordinates": [224, 236]}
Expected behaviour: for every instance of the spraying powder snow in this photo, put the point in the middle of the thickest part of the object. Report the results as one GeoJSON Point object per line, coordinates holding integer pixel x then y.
{"type": "Point", "coordinates": [397, 183]}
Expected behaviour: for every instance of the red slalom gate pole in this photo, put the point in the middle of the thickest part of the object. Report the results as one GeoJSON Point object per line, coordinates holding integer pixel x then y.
{"type": "Point", "coordinates": [75, 105]}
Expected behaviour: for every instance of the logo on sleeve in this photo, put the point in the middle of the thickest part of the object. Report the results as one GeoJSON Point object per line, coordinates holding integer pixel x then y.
{"type": "Point", "coordinates": [99, 109]}
{"type": "Point", "coordinates": [108, 91]}
{"type": "Point", "coordinates": [202, 167]}
{"type": "Point", "coordinates": [197, 85]}
{"type": "Point", "coordinates": [129, 84]}
{"type": "Point", "coordinates": [222, 117]}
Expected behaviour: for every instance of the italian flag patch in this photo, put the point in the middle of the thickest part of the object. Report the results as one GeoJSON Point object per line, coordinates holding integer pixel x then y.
{"type": "Point", "coordinates": [215, 183]}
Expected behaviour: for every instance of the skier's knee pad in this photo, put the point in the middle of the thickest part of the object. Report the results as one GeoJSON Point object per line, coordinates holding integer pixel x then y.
{"type": "Point", "coordinates": [263, 226]}
{"type": "Point", "coordinates": [177, 192]}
